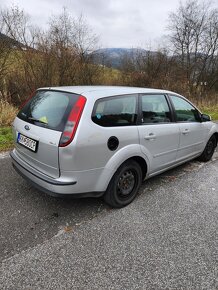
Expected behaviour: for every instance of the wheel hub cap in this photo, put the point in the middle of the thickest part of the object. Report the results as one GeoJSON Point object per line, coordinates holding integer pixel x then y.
{"type": "Point", "coordinates": [126, 183]}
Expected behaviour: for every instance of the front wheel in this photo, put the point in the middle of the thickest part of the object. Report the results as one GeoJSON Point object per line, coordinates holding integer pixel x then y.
{"type": "Point", "coordinates": [124, 185]}
{"type": "Point", "coordinates": [209, 150]}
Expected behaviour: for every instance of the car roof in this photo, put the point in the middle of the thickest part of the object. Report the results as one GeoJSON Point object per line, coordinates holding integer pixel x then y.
{"type": "Point", "coordinates": [105, 91]}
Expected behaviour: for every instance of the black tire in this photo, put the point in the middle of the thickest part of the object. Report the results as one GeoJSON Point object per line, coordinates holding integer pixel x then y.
{"type": "Point", "coordinates": [124, 185]}
{"type": "Point", "coordinates": [208, 150]}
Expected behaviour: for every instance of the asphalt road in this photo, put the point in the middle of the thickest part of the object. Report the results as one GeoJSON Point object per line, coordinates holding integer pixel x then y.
{"type": "Point", "coordinates": [166, 239]}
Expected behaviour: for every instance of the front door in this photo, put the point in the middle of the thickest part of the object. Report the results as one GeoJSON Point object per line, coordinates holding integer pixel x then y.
{"type": "Point", "coordinates": [192, 131]}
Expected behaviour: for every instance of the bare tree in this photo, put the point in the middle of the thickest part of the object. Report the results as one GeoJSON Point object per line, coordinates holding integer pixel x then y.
{"type": "Point", "coordinates": [85, 42]}
{"type": "Point", "coordinates": [147, 68]}
{"type": "Point", "coordinates": [60, 41]}
{"type": "Point", "coordinates": [58, 56]}
{"type": "Point", "coordinates": [72, 40]}
{"type": "Point", "coordinates": [194, 38]}
{"type": "Point", "coordinates": [21, 73]}
{"type": "Point", "coordinates": [16, 25]}
{"type": "Point", "coordinates": [5, 62]}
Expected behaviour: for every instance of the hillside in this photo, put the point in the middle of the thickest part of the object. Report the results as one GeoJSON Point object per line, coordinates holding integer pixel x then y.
{"type": "Point", "coordinates": [7, 41]}
{"type": "Point", "coordinates": [112, 57]}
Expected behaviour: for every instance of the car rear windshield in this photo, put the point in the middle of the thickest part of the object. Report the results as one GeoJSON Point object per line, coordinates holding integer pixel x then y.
{"type": "Point", "coordinates": [49, 109]}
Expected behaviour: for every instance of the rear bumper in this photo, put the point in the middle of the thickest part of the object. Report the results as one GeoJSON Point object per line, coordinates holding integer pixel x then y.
{"type": "Point", "coordinates": [54, 187]}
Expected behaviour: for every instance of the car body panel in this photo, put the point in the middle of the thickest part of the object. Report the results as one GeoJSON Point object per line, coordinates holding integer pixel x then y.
{"type": "Point", "coordinates": [119, 157]}
{"type": "Point", "coordinates": [159, 144]}
{"type": "Point", "coordinates": [46, 158]}
{"type": "Point", "coordinates": [192, 139]}
{"type": "Point", "coordinates": [89, 148]}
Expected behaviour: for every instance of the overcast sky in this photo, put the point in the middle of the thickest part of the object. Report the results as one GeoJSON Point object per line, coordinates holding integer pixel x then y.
{"type": "Point", "coordinates": [118, 23]}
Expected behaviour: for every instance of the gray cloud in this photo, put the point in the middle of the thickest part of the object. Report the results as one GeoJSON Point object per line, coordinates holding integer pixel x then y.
{"type": "Point", "coordinates": [119, 23]}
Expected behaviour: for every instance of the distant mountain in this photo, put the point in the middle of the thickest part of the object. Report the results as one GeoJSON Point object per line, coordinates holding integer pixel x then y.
{"type": "Point", "coordinates": [112, 57]}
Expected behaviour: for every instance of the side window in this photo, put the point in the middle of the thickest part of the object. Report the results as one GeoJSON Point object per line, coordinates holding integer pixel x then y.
{"type": "Point", "coordinates": [115, 111]}
{"type": "Point", "coordinates": [155, 109]}
{"type": "Point", "coordinates": [185, 112]}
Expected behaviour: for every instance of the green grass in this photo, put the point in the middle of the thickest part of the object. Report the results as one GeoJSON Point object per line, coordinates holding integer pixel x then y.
{"type": "Point", "coordinates": [212, 111]}
{"type": "Point", "coordinates": [6, 139]}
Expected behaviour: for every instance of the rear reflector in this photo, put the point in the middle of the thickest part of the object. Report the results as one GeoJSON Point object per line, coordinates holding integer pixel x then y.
{"type": "Point", "coordinates": [72, 122]}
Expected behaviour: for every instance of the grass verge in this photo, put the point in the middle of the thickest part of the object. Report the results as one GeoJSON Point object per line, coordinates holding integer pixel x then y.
{"type": "Point", "coordinates": [212, 111]}
{"type": "Point", "coordinates": [6, 139]}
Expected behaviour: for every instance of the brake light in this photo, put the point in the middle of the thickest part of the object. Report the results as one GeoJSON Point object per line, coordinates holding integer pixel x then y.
{"type": "Point", "coordinates": [72, 122]}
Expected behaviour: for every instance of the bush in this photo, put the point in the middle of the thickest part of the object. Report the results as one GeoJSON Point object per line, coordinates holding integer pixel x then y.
{"type": "Point", "coordinates": [7, 113]}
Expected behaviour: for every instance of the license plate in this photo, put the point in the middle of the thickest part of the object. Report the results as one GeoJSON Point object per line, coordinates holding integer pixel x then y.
{"type": "Point", "coordinates": [27, 142]}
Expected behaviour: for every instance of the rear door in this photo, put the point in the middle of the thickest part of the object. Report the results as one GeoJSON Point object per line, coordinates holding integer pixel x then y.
{"type": "Point", "coordinates": [159, 136]}
{"type": "Point", "coordinates": [38, 128]}
{"type": "Point", "coordinates": [192, 131]}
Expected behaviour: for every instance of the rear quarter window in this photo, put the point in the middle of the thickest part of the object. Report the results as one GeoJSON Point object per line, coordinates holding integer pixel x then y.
{"type": "Point", "coordinates": [115, 111]}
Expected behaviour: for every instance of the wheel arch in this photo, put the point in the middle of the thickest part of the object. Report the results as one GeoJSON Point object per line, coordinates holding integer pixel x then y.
{"type": "Point", "coordinates": [212, 132]}
{"type": "Point", "coordinates": [131, 152]}
{"type": "Point", "coordinates": [143, 164]}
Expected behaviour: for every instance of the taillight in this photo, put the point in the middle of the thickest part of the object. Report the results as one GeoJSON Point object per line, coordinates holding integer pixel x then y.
{"type": "Point", "coordinates": [72, 122]}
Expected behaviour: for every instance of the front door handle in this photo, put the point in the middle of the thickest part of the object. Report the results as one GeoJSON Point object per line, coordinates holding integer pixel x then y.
{"type": "Point", "coordinates": [150, 136]}
{"type": "Point", "coordinates": [186, 131]}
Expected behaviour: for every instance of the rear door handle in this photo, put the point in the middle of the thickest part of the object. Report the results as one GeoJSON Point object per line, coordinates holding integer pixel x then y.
{"type": "Point", "coordinates": [186, 131]}
{"type": "Point", "coordinates": [150, 136]}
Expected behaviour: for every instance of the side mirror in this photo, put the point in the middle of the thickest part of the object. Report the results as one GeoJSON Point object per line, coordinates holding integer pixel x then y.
{"type": "Point", "coordinates": [205, 118]}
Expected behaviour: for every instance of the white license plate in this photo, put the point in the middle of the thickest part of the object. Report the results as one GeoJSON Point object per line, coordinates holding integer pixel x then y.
{"type": "Point", "coordinates": [27, 142]}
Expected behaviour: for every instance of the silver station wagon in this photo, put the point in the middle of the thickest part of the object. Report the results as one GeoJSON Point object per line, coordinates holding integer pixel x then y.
{"type": "Point", "coordinates": [104, 141]}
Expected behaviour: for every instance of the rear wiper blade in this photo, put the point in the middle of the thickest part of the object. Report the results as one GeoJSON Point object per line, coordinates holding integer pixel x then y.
{"type": "Point", "coordinates": [37, 120]}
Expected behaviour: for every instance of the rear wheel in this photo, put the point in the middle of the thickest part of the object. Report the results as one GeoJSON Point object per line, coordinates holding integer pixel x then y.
{"type": "Point", "coordinates": [124, 185]}
{"type": "Point", "coordinates": [209, 149]}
